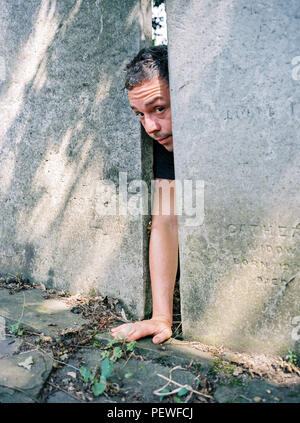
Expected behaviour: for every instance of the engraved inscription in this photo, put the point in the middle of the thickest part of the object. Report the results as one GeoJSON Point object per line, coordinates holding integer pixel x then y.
{"type": "Point", "coordinates": [244, 112]}
{"type": "Point", "coordinates": [280, 231]}
{"type": "Point", "coordinates": [266, 252]}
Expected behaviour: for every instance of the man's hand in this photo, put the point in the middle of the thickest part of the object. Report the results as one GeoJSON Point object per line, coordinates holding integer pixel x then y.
{"type": "Point", "coordinates": [161, 329]}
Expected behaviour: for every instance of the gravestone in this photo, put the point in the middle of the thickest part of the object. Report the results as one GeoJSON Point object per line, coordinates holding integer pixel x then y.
{"type": "Point", "coordinates": [66, 134]}
{"type": "Point", "coordinates": [235, 94]}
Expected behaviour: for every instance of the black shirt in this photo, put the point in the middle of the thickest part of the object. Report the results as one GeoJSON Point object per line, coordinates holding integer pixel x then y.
{"type": "Point", "coordinates": [163, 163]}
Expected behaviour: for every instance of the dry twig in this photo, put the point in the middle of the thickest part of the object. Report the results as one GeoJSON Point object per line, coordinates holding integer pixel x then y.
{"type": "Point", "coordinates": [187, 387]}
{"type": "Point", "coordinates": [66, 392]}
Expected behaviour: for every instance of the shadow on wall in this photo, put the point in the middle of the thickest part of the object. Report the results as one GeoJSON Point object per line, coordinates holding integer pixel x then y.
{"type": "Point", "coordinates": [65, 124]}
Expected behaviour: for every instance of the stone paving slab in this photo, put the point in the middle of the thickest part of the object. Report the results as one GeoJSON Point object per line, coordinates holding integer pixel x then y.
{"type": "Point", "coordinates": [39, 312]}
{"type": "Point", "coordinates": [172, 352]}
{"type": "Point", "coordinates": [258, 391]}
{"type": "Point", "coordinates": [139, 387]}
{"type": "Point", "coordinates": [175, 352]}
{"type": "Point", "coordinates": [9, 346]}
{"type": "Point", "coordinates": [18, 384]}
{"type": "Point", "coordinates": [22, 385]}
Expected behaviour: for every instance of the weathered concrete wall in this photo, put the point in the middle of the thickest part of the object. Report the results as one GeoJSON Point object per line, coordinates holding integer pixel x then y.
{"type": "Point", "coordinates": [65, 127]}
{"type": "Point", "coordinates": [235, 96]}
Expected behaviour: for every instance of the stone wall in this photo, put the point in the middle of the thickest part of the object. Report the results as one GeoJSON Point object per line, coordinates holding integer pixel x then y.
{"type": "Point", "coordinates": [66, 127]}
{"type": "Point", "coordinates": [235, 96]}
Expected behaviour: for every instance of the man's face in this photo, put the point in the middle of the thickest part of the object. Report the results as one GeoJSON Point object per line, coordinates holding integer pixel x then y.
{"type": "Point", "coordinates": [151, 102]}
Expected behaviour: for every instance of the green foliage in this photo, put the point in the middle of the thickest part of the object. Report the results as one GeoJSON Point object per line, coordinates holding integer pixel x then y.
{"type": "Point", "coordinates": [220, 366]}
{"type": "Point", "coordinates": [104, 354]}
{"type": "Point", "coordinates": [183, 391]}
{"type": "Point", "coordinates": [96, 344]}
{"type": "Point", "coordinates": [180, 393]}
{"type": "Point", "coordinates": [117, 353]}
{"type": "Point", "coordinates": [99, 387]}
{"type": "Point", "coordinates": [109, 356]}
{"type": "Point", "coordinates": [236, 382]}
{"type": "Point", "coordinates": [111, 343]}
{"type": "Point", "coordinates": [293, 358]}
{"type": "Point", "coordinates": [86, 374]}
{"type": "Point", "coordinates": [130, 346]}
{"type": "Point", "coordinates": [164, 391]}
{"type": "Point", "coordinates": [106, 369]}
{"type": "Point", "coordinates": [225, 370]}
{"type": "Point", "coordinates": [15, 329]}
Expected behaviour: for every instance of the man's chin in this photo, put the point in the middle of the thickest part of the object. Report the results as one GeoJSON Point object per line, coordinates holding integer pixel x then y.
{"type": "Point", "coordinates": [169, 147]}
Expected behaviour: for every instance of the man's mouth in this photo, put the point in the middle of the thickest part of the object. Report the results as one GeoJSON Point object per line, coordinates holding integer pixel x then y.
{"type": "Point", "coordinates": [163, 140]}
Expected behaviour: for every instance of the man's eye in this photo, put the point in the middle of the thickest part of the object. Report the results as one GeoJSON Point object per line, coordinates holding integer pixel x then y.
{"type": "Point", "coordinates": [140, 114]}
{"type": "Point", "coordinates": [160, 108]}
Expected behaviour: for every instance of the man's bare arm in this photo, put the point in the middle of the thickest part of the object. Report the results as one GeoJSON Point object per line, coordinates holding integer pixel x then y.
{"type": "Point", "coordinates": [163, 260]}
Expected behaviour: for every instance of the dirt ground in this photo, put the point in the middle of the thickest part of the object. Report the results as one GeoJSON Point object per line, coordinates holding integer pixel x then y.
{"type": "Point", "coordinates": [143, 372]}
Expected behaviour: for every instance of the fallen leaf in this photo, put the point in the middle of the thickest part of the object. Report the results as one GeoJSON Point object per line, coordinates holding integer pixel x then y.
{"type": "Point", "coordinates": [46, 339]}
{"type": "Point", "coordinates": [72, 374]}
{"type": "Point", "coordinates": [27, 363]}
{"type": "Point", "coordinates": [256, 399]}
{"type": "Point", "coordinates": [63, 357]}
{"type": "Point", "coordinates": [124, 316]}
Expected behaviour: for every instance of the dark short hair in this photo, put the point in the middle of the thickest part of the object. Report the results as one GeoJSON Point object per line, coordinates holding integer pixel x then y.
{"type": "Point", "coordinates": [149, 63]}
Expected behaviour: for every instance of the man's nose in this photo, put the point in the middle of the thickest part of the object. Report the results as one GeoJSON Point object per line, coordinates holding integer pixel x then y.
{"type": "Point", "coordinates": [151, 125]}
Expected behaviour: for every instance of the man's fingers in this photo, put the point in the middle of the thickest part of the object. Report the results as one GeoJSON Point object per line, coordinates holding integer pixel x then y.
{"type": "Point", "coordinates": [162, 336]}
{"type": "Point", "coordinates": [122, 332]}
{"type": "Point", "coordinates": [157, 339]}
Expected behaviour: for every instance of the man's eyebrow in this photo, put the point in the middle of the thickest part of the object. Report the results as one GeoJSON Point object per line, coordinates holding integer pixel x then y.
{"type": "Point", "coordinates": [153, 101]}
{"type": "Point", "coordinates": [150, 102]}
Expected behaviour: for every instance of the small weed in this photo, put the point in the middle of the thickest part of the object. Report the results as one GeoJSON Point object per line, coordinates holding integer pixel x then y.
{"type": "Point", "coordinates": [229, 368]}
{"type": "Point", "coordinates": [221, 367]}
{"type": "Point", "coordinates": [236, 382]}
{"type": "Point", "coordinates": [86, 374]}
{"type": "Point", "coordinates": [164, 391]}
{"type": "Point", "coordinates": [96, 344]}
{"type": "Point", "coordinates": [128, 375]}
{"type": "Point", "coordinates": [182, 392]}
{"type": "Point", "coordinates": [109, 356]}
{"type": "Point", "coordinates": [15, 329]}
{"type": "Point", "coordinates": [293, 358]}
